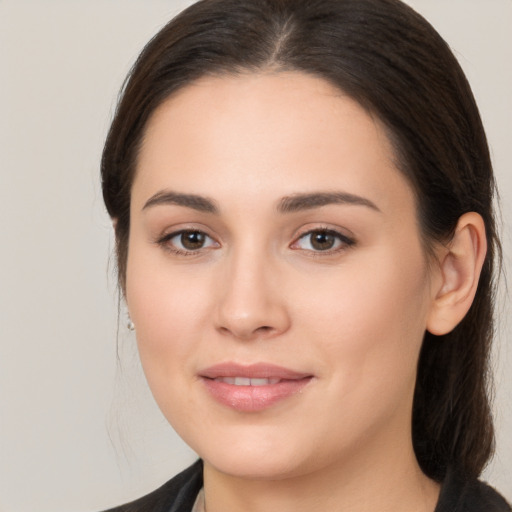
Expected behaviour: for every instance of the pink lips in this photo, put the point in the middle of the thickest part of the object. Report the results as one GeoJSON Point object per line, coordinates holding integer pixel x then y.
{"type": "Point", "coordinates": [254, 387]}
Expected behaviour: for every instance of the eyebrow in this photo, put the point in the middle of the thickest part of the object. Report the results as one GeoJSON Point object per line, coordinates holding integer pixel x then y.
{"type": "Point", "coordinates": [298, 202]}
{"type": "Point", "coordinates": [165, 197]}
{"type": "Point", "coordinates": [288, 204]}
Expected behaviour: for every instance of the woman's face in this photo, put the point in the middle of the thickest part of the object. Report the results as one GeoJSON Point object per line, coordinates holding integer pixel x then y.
{"type": "Point", "coordinates": [276, 276]}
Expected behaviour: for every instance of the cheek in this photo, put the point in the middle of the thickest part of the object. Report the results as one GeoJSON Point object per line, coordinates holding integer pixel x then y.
{"type": "Point", "coordinates": [368, 324]}
{"type": "Point", "coordinates": [168, 308]}
{"type": "Point", "coordinates": [370, 318]}
{"type": "Point", "coordinates": [168, 313]}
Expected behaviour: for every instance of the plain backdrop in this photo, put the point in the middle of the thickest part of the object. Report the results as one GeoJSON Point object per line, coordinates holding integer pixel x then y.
{"type": "Point", "coordinates": [79, 430]}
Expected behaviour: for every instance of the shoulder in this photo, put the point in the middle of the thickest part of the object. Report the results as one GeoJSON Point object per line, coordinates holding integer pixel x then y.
{"type": "Point", "coordinates": [177, 495]}
{"type": "Point", "coordinates": [462, 495]}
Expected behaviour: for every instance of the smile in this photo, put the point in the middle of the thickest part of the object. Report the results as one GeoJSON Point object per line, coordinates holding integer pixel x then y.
{"type": "Point", "coordinates": [252, 388]}
{"type": "Point", "coordinates": [246, 381]}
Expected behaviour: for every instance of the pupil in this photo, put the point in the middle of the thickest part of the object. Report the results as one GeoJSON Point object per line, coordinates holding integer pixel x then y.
{"type": "Point", "coordinates": [322, 241]}
{"type": "Point", "coordinates": [192, 240]}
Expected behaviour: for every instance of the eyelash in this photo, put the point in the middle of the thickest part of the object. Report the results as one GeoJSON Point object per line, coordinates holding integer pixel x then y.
{"type": "Point", "coordinates": [344, 242]}
{"type": "Point", "coordinates": [165, 242]}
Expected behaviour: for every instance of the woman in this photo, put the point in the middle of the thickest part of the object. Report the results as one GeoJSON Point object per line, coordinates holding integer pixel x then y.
{"type": "Point", "coordinates": [302, 199]}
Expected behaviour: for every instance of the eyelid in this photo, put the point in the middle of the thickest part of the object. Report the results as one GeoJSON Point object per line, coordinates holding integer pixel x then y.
{"type": "Point", "coordinates": [165, 239]}
{"type": "Point", "coordinates": [347, 240]}
{"type": "Point", "coordinates": [344, 240]}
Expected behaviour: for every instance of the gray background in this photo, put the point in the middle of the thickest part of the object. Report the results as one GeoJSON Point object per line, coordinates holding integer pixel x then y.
{"type": "Point", "coordinates": [78, 431]}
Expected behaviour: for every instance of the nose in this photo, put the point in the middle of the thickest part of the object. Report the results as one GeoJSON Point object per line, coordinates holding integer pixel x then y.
{"type": "Point", "coordinates": [251, 302]}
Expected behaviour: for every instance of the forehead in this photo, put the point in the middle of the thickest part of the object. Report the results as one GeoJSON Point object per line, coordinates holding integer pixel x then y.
{"type": "Point", "coordinates": [285, 130]}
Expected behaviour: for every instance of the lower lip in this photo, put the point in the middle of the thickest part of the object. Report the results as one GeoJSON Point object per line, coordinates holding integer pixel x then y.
{"type": "Point", "coordinates": [254, 398]}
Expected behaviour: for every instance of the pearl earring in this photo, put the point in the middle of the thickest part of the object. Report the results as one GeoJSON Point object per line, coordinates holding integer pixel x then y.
{"type": "Point", "coordinates": [130, 324]}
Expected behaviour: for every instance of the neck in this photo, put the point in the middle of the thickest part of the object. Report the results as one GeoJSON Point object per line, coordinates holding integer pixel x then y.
{"type": "Point", "coordinates": [379, 479]}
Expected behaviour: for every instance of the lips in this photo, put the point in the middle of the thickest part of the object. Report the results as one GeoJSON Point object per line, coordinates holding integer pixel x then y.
{"type": "Point", "coordinates": [252, 388]}
{"type": "Point", "coordinates": [246, 381]}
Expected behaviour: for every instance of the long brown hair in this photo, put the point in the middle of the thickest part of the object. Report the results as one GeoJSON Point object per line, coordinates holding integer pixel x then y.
{"type": "Point", "coordinates": [389, 59]}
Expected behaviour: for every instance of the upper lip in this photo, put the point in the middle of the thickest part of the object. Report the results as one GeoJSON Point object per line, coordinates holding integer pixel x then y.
{"type": "Point", "coordinates": [252, 371]}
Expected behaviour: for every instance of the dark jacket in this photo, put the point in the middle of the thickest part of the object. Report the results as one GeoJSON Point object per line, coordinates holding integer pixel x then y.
{"type": "Point", "coordinates": [179, 495]}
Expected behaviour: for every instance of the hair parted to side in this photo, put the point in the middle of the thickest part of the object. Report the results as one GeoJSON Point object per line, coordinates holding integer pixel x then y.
{"type": "Point", "coordinates": [389, 59]}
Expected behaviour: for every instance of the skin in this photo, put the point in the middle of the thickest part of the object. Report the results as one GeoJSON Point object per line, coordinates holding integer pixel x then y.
{"type": "Point", "coordinates": [259, 291]}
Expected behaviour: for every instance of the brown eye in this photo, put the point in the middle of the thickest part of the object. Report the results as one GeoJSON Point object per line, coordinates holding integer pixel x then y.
{"type": "Point", "coordinates": [187, 241]}
{"type": "Point", "coordinates": [192, 240]}
{"type": "Point", "coordinates": [322, 240]}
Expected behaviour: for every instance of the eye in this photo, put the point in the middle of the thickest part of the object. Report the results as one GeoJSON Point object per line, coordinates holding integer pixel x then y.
{"type": "Point", "coordinates": [187, 241]}
{"type": "Point", "coordinates": [322, 240]}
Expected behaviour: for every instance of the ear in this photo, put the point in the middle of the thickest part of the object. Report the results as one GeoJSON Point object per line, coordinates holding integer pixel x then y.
{"type": "Point", "coordinates": [460, 264]}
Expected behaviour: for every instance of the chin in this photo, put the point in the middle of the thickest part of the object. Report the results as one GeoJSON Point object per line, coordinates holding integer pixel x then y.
{"type": "Point", "coordinates": [259, 459]}
{"type": "Point", "coordinates": [255, 467]}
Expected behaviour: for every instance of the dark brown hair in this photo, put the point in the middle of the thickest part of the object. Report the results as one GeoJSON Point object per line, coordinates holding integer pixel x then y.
{"type": "Point", "coordinates": [390, 60]}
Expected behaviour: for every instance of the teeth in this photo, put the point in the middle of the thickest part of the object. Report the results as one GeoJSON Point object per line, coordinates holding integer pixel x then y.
{"type": "Point", "coordinates": [245, 381]}
{"type": "Point", "coordinates": [259, 382]}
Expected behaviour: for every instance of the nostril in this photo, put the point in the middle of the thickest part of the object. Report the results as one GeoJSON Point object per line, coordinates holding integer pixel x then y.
{"type": "Point", "coordinates": [264, 328]}
{"type": "Point", "coordinates": [248, 333]}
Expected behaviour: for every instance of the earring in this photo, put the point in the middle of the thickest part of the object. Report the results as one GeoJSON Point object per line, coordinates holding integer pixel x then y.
{"type": "Point", "coordinates": [129, 323]}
